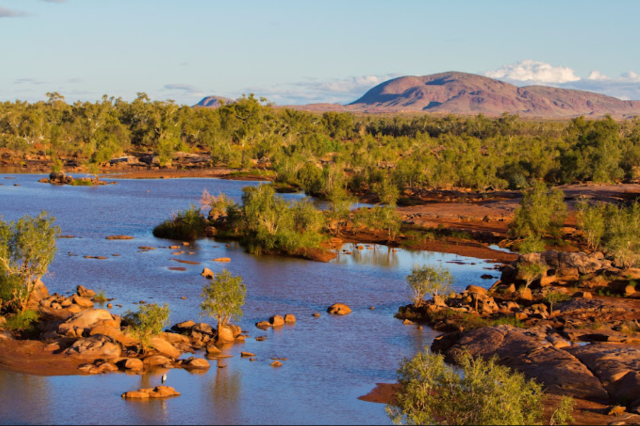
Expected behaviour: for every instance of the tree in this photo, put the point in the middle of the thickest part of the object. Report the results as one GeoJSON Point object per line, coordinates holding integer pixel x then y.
{"type": "Point", "coordinates": [531, 272]}
{"type": "Point", "coordinates": [484, 393]}
{"type": "Point", "coordinates": [554, 297]}
{"type": "Point", "coordinates": [223, 298]}
{"type": "Point", "coordinates": [426, 280]}
{"type": "Point", "coordinates": [27, 248]}
{"type": "Point", "coordinates": [541, 212]}
{"type": "Point", "coordinates": [148, 322]}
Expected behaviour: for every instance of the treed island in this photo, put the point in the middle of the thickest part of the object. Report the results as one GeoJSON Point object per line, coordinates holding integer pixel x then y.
{"type": "Point", "coordinates": [553, 203]}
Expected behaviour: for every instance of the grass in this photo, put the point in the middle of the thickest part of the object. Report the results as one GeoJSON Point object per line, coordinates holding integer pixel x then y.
{"type": "Point", "coordinates": [23, 322]}
{"type": "Point", "coordinates": [79, 182]}
{"type": "Point", "coordinates": [186, 225]}
{"type": "Point", "coordinates": [100, 297]}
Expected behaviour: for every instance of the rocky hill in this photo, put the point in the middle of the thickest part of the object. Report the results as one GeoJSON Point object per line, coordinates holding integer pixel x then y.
{"type": "Point", "coordinates": [470, 94]}
{"type": "Point", "coordinates": [214, 102]}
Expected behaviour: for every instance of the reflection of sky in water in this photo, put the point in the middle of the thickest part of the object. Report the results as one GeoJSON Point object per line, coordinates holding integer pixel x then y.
{"type": "Point", "coordinates": [332, 360]}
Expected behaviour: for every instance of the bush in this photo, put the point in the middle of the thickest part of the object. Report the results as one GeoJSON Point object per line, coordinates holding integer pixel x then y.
{"type": "Point", "coordinates": [485, 393]}
{"type": "Point", "coordinates": [149, 321]}
{"type": "Point", "coordinates": [27, 248]}
{"type": "Point", "coordinates": [541, 212]}
{"type": "Point", "coordinates": [186, 225]}
{"type": "Point", "coordinates": [531, 245]}
{"type": "Point", "coordinates": [22, 321]}
{"type": "Point", "coordinates": [223, 298]}
{"type": "Point", "coordinates": [426, 280]}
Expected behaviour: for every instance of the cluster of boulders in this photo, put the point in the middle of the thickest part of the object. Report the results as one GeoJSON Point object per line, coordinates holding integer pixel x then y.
{"type": "Point", "coordinates": [277, 321]}
{"type": "Point", "coordinates": [82, 299]}
{"type": "Point", "coordinates": [158, 392]}
{"type": "Point", "coordinates": [60, 178]}
{"type": "Point", "coordinates": [202, 335]}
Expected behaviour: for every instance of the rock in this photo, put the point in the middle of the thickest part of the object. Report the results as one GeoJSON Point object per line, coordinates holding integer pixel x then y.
{"type": "Point", "coordinates": [317, 315]}
{"type": "Point", "coordinates": [629, 291]}
{"type": "Point", "coordinates": [583, 294]}
{"type": "Point", "coordinates": [82, 302]}
{"type": "Point", "coordinates": [339, 309]}
{"type": "Point", "coordinates": [119, 237]}
{"type": "Point", "coordinates": [616, 411]}
{"type": "Point", "coordinates": [84, 320]}
{"type": "Point", "coordinates": [157, 360]}
{"type": "Point", "coordinates": [203, 328]}
{"type": "Point", "coordinates": [40, 292]}
{"type": "Point", "coordinates": [3, 321]}
{"type": "Point", "coordinates": [184, 327]}
{"type": "Point", "coordinates": [86, 293]}
{"type": "Point", "coordinates": [208, 274]}
{"type": "Point", "coordinates": [222, 260]}
{"type": "Point", "coordinates": [132, 364]}
{"type": "Point", "coordinates": [408, 322]}
{"type": "Point", "coordinates": [525, 294]}
{"type": "Point", "coordinates": [276, 364]}
{"type": "Point", "coordinates": [197, 364]}
{"type": "Point", "coordinates": [263, 324]}
{"type": "Point", "coordinates": [247, 355]}
{"type": "Point", "coordinates": [175, 339]}
{"type": "Point", "coordinates": [57, 177]}
{"type": "Point", "coordinates": [529, 352]}
{"type": "Point", "coordinates": [289, 319]}
{"type": "Point", "coordinates": [159, 392]}
{"type": "Point", "coordinates": [226, 334]}
{"type": "Point", "coordinates": [213, 350]}
{"type": "Point", "coordinates": [477, 290]}
{"type": "Point", "coordinates": [165, 347]}
{"type": "Point", "coordinates": [276, 321]}
{"type": "Point", "coordinates": [99, 346]}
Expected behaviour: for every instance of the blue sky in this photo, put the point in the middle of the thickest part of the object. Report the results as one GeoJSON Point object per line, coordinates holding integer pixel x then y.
{"type": "Point", "coordinates": [307, 51]}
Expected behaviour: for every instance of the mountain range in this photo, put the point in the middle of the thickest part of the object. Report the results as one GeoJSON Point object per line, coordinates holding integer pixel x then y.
{"type": "Point", "coordinates": [470, 94]}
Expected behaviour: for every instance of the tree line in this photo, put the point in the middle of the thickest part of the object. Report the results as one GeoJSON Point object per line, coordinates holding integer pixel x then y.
{"type": "Point", "coordinates": [321, 153]}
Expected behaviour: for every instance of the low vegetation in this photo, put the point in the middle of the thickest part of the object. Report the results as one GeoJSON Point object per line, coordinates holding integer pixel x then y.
{"type": "Point", "coordinates": [482, 393]}
{"type": "Point", "coordinates": [188, 225]}
{"type": "Point", "coordinates": [27, 248]}
{"type": "Point", "coordinates": [148, 322]}
{"type": "Point", "coordinates": [428, 280]}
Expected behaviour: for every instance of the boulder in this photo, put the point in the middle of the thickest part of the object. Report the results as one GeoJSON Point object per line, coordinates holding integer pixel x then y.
{"type": "Point", "coordinates": [263, 324]}
{"type": "Point", "coordinates": [40, 292]}
{"type": "Point", "coordinates": [213, 350]}
{"type": "Point", "coordinates": [477, 290]}
{"type": "Point", "coordinates": [82, 302]}
{"type": "Point", "coordinates": [3, 321]}
{"type": "Point", "coordinates": [629, 291]}
{"type": "Point", "coordinates": [208, 274]}
{"type": "Point", "coordinates": [276, 321]}
{"type": "Point", "coordinates": [197, 364]}
{"type": "Point", "coordinates": [159, 392]}
{"type": "Point", "coordinates": [175, 339]}
{"type": "Point", "coordinates": [584, 263]}
{"type": "Point", "coordinates": [583, 294]}
{"type": "Point", "coordinates": [158, 361]}
{"type": "Point", "coordinates": [226, 334]}
{"type": "Point", "coordinates": [339, 309]}
{"type": "Point", "coordinates": [84, 320]}
{"type": "Point", "coordinates": [525, 294]}
{"type": "Point", "coordinates": [184, 327]}
{"type": "Point", "coordinates": [57, 177]}
{"type": "Point", "coordinates": [95, 347]}
{"type": "Point", "coordinates": [86, 293]}
{"type": "Point", "coordinates": [165, 347]}
{"type": "Point", "coordinates": [289, 319]}
{"type": "Point", "coordinates": [203, 328]}
{"type": "Point", "coordinates": [133, 364]}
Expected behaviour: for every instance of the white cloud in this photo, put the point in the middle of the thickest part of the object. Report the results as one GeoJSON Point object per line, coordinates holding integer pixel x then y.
{"type": "Point", "coordinates": [534, 72]}
{"type": "Point", "coordinates": [528, 72]}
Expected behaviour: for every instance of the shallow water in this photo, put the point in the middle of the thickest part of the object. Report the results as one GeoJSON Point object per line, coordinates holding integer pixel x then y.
{"type": "Point", "coordinates": [331, 360]}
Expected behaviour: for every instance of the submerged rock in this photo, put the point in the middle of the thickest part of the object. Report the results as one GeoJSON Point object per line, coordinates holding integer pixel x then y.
{"type": "Point", "coordinates": [159, 392]}
{"type": "Point", "coordinates": [339, 309]}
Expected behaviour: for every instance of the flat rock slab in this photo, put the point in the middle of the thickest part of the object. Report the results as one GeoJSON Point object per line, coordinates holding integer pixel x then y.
{"type": "Point", "coordinates": [119, 237]}
{"type": "Point", "coordinates": [185, 262]}
{"type": "Point", "coordinates": [159, 392]}
{"type": "Point", "coordinates": [529, 352]}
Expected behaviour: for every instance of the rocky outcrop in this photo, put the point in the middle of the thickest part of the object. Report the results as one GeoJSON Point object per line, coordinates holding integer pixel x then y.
{"type": "Point", "coordinates": [84, 321]}
{"type": "Point", "coordinates": [530, 352]}
{"type": "Point", "coordinates": [95, 347]}
{"type": "Point", "coordinates": [165, 348]}
{"type": "Point", "coordinates": [560, 264]}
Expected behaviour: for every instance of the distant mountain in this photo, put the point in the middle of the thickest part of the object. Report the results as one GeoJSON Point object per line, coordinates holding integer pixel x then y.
{"type": "Point", "coordinates": [214, 102]}
{"type": "Point", "coordinates": [470, 94]}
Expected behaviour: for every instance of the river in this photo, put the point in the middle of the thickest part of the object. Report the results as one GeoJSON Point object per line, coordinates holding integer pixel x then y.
{"type": "Point", "coordinates": [331, 361]}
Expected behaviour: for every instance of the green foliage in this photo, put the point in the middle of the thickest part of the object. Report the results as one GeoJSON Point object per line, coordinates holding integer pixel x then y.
{"type": "Point", "coordinates": [530, 272]}
{"type": "Point", "coordinates": [22, 321]}
{"type": "Point", "coordinates": [223, 298]}
{"type": "Point", "coordinates": [614, 229]}
{"type": "Point", "coordinates": [531, 245]}
{"type": "Point", "coordinates": [100, 297]}
{"type": "Point", "coordinates": [484, 393]}
{"type": "Point", "coordinates": [217, 205]}
{"type": "Point", "coordinates": [185, 225]}
{"type": "Point", "coordinates": [541, 212]}
{"type": "Point", "coordinates": [27, 248]}
{"type": "Point", "coordinates": [553, 297]}
{"type": "Point", "coordinates": [425, 280]}
{"type": "Point", "coordinates": [379, 218]}
{"type": "Point", "coordinates": [564, 413]}
{"type": "Point", "coordinates": [148, 322]}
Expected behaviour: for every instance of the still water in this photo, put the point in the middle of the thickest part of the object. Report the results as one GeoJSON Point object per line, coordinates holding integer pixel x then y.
{"type": "Point", "coordinates": [331, 360]}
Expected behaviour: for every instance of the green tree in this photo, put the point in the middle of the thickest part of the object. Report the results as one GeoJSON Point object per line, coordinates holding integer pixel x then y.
{"type": "Point", "coordinates": [531, 272]}
{"type": "Point", "coordinates": [148, 322]}
{"type": "Point", "coordinates": [27, 248]}
{"type": "Point", "coordinates": [553, 297]}
{"type": "Point", "coordinates": [424, 280]}
{"type": "Point", "coordinates": [483, 393]}
{"type": "Point", "coordinates": [223, 298]}
{"type": "Point", "coordinates": [542, 212]}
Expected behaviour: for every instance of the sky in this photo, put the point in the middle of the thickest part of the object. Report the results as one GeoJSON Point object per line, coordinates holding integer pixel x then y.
{"type": "Point", "coordinates": [304, 51]}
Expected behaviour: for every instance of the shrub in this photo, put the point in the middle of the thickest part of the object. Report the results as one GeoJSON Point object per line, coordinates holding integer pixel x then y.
{"type": "Point", "coordinates": [27, 248]}
{"type": "Point", "coordinates": [22, 321]}
{"type": "Point", "coordinates": [148, 322]}
{"type": "Point", "coordinates": [531, 272]}
{"type": "Point", "coordinates": [485, 393]}
{"type": "Point", "coordinates": [541, 212]}
{"type": "Point", "coordinates": [531, 245]}
{"type": "Point", "coordinates": [554, 297]}
{"type": "Point", "coordinates": [223, 298]}
{"type": "Point", "coordinates": [426, 280]}
{"type": "Point", "coordinates": [186, 225]}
